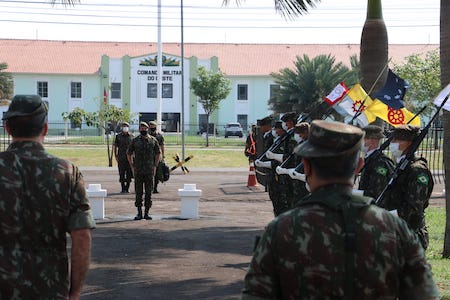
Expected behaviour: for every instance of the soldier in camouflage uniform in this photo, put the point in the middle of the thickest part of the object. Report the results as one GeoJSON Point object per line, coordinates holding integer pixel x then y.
{"type": "Point", "coordinates": [264, 139]}
{"type": "Point", "coordinates": [42, 199]}
{"type": "Point", "coordinates": [412, 189]}
{"type": "Point", "coordinates": [336, 245]}
{"type": "Point", "coordinates": [159, 137]}
{"type": "Point", "coordinates": [143, 156]}
{"type": "Point", "coordinates": [120, 147]}
{"type": "Point", "coordinates": [299, 190]}
{"type": "Point", "coordinates": [378, 168]}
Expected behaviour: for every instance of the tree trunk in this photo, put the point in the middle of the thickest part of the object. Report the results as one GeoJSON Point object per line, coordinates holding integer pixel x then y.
{"type": "Point", "coordinates": [374, 49]}
{"type": "Point", "coordinates": [207, 130]}
{"type": "Point", "coordinates": [445, 79]}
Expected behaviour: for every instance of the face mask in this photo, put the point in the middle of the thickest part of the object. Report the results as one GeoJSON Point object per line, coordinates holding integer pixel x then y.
{"type": "Point", "coordinates": [364, 149]}
{"type": "Point", "coordinates": [298, 138]}
{"type": "Point", "coordinates": [125, 129]}
{"type": "Point", "coordinates": [153, 129]}
{"type": "Point", "coordinates": [308, 188]}
{"type": "Point", "coordinates": [394, 148]}
{"type": "Point", "coordinates": [283, 124]}
{"type": "Point", "coordinates": [274, 133]}
{"type": "Point", "coordinates": [143, 132]}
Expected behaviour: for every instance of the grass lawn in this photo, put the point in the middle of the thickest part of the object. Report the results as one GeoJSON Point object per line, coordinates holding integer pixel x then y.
{"type": "Point", "coordinates": [85, 155]}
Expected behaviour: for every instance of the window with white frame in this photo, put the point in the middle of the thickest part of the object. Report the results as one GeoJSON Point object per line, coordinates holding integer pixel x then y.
{"type": "Point", "coordinates": [42, 89]}
{"type": "Point", "coordinates": [75, 89]}
{"type": "Point", "coordinates": [167, 90]}
{"type": "Point", "coordinates": [116, 90]}
{"type": "Point", "coordinates": [242, 92]}
{"type": "Point", "coordinates": [152, 90]}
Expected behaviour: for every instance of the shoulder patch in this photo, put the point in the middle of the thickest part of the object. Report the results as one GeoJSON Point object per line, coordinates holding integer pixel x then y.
{"type": "Point", "coordinates": [422, 178]}
{"type": "Point", "coordinates": [381, 171]}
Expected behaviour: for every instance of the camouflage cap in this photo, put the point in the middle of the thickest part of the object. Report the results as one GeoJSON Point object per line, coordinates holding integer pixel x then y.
{"type": "Point", "coordinates": [278, 125]}
{"type": "Point", "coordinates": [143, 124]}
{"type": "Point", "coordinates": [25, 105]}
{"type": "Point", "coordinates": [125, 124]}
{"type": "Point", "coordinates": [265, 121]}
{"type": "Point", "coordinates": [328, 139]}
{"type": "Point", "coordinates": [405, 132]}
{"type": "Point", "coordinates": [153, 123]}
{"type": "Point", "coordinates": [290, 116]}
{"type": "Point", "coordinates": [373, 132]}
{"type": "Point", "coordinates": [302, 127]}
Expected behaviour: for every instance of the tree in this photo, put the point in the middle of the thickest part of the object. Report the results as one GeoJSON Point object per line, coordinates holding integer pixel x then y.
{"type": "Point", "coordinates": [304, 88]}
{"type": "Point", "coordinates": [422, 73]}
{"type": "Point", "coordinates": [211, 88]}
{"type": "Point", "coordinates": [445, 79]}
{"type": "Point", "coordinates": [6, 86]}
{"type": "Point", "coordinates": [289, 8]}
{"type": "Point", "coordinates": [106, 118]}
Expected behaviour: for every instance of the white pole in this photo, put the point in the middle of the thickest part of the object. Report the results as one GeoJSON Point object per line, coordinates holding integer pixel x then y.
{"type": "Point", "coordinates": [182, 84]}
{"type": "Point", "coordinates": [159, 71]}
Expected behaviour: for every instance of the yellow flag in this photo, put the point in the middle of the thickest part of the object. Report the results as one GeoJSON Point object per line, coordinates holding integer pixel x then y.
{"type": "Point", "coordinates": [395, 117]}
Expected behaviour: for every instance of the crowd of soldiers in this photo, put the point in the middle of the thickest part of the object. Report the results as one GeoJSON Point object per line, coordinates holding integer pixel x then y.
{"type": "Point", "coordinates": [280, 171]}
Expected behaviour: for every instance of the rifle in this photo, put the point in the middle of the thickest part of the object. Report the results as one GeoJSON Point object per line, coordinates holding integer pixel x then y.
{"type": "Point", "coordinates": [401, 166]}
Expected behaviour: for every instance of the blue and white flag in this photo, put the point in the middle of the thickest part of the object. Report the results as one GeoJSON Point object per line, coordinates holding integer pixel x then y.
{"type": "Point", "coordinates": [393, 91]}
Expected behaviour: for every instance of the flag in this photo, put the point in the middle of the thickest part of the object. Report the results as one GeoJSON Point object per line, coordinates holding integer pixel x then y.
{"type": "Point", "coordinates": [105, 96]}
{"type": "Point", "coordinates": [393, 91]}
{"type": "Point", "coordinates": [441, 97]}
{"type": "Point", "coordinates": [355, 104]}
{"type": "Point", "coordinates": [395, 117]}
{"type": "Point", "coordinates": [336, 94]}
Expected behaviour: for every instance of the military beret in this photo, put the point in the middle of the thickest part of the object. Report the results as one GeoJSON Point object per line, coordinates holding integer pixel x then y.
{"type": "Point", "coordinates": [125, 124]}
{"type": "Point", "coordinates": [405, 132]}
{"type": "Point", "coordinates": [329, 138]}
{"type": "Point", "coordinates": [278, 124]}
{"type": "Point", "coordinates": [143, 124]}
{"type": "Point", "coordinates": [290, 116]}
{"type": "Point", "coordinates": [25, 105]}
{"type": "Point", "coordinates": [373, 132]}
{"type": "Point", "coordinates": [302, 127]}
{"type": "Point", "coordinates": [265, 121]}
{"type": "Point", "coordinates": [153, 123]}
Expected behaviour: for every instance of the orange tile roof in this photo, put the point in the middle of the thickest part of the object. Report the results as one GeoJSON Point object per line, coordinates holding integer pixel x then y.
{"type": "Point", "coordinates": [74, 57]}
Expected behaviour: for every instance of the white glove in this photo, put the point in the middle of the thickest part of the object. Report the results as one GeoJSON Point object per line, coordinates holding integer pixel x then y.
{"type": "Point", "coordinates": [282, 171]}
{"type": "Point", "coordinates": [263, 164]}
{"type": "Point", "coordinates": [275, 156]}
{"type": "Point", "coordinates": [296, 175]}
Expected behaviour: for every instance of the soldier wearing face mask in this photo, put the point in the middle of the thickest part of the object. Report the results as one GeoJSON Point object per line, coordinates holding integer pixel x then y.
{"type": "Point", "coordinates": [378, 168]}
{"type": "Point", "coordinates": [412, 189]}
{"type": "Point", "coordinates": [158, 136]}
{"type": "Point", "coordinates": [120, 146]}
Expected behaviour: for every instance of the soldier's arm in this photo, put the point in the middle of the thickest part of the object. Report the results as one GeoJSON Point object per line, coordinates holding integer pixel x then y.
{"type": "Point", "coordinates": [80, 256]}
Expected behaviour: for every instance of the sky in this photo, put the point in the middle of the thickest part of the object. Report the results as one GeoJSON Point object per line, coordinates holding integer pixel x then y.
{"type": "Point", "coordinates": [208, 21]}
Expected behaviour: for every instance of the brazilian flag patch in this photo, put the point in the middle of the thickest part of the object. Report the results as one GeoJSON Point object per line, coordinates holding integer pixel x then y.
{"type": "Point", "coordinates": [382, 171]}
{"type": "Point", "coordinates": [422, 178]}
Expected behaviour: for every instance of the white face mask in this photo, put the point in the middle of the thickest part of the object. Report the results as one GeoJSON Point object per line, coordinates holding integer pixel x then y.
{"type": "Point", "coordinates": [283, 124]}
{"type": "Point", "coordinates": [298, 138]}
{"type": "Point", "coordinates": [308, 188]}
{"type": "Point", "coordinates": [364, 148]}
{"type": "Point", "coordinates": [125, 129]}
{"type": "Point", "coordinates": [395, 149]}
{"type": "Point", "coordinates": [274, 133]}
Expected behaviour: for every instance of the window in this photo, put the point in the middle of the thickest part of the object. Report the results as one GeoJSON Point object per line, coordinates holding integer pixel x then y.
{"type": "Point", "coordinates": [242, 92]}
{"type": "Point", "coordinates": [75, 89]}
{"type": "Point", "coordinates": [42, 89]}
{"type": "Point", "coordinates": [152, 90]}
{"type": "Point", "coordinates": [167, 90]}
{"type": "Point", "coordinates": [116, 92]}
{"type": "Point", "coordinates": [274, 90]}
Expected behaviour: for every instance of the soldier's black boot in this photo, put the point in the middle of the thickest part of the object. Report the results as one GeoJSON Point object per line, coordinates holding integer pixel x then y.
{"type": "Point", "coordinates": [127, 187]}
{"type": "Point", "coordinates": [123, 187]}
{"type": "Point", "coordinates": [139, 214]}
{"type": "Point", "coordinates": [146, 215]}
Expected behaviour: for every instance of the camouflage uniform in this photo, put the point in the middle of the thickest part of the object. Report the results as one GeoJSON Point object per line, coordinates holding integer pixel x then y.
{"type": "Point", "coordinates": [145, 149]}
{"type": "Point", "coordinates": [286, 195]}
{"type": "Point", "coordinates": [43, 197]}
{"type": "Point", "coordinates": [378, 169]}
{"type": "Point", "coordinates": [159, 137]}
{"type": "Point", "coordinates": [410, 195]}
{"type": "Point", "coordinates": [298, 186]}
{"type": "Point", "coordinates": [300, 255]}
{"type": "Point", "coordinates": [122, 141]}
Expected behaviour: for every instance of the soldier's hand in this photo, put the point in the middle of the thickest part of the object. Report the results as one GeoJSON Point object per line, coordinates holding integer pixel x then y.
{"type": "Point", "coordinates": [275, 156]}
{"type": "Point", "coordinates": [280, 170]}
{"type": "Point", "coordinates": [297, 176]}
{"type": "Point", "coordinates": [263, 164]}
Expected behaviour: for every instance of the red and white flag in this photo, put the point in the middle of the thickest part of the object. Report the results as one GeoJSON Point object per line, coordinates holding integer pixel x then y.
{"type": "Point", "coordinates": [336, 94]}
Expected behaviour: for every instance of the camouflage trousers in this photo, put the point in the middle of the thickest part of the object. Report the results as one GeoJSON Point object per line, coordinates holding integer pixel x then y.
{"type": "Point", "coordinates": [125, 173]}
{"type": "Point", "coordinates": [422, 233]}
{"type": "Point", "coordinates": [274, 187]}
{"type": "Point", "coordinates": [141, 182]}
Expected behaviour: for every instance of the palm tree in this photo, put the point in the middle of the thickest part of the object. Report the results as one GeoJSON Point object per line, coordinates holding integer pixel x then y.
{"type": "Point", "coordinates": [66, 2]}
{"type": "Point", "coordinates": [445, 79]}
{"type": "Point", "coordinates": [289, 8]}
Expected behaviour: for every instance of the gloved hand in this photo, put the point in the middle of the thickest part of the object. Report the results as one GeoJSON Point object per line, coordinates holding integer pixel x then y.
{"type": "Point", "coordinates": [282, 171]}
{"type": "Point", "coordinates": [275, 156]}
{"type": "Point", "coordinates": [263, 164]}
{"type": "Point", "coordinates": [296, 175]}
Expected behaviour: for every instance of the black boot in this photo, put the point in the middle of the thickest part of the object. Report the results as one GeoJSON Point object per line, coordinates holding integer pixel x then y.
{"type": "Point", "coordinates": [127, 187]}
{"type": "Point", "coordinates": [146, 215]}
{"type": "Point", "coordinates": [123, 187]}
{"type": "Point", "coordinates": [139, 214]}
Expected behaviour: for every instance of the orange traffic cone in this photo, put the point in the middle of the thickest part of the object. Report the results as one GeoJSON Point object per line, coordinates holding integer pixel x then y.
{"type": "Point", "coordinates": [252, 176]}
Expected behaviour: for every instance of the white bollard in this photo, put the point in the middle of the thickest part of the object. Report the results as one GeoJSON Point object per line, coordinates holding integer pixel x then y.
{"type": "Point", "coordinates": [189, 201]}
{"type": "Point", "coordinates": [96, 197]}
